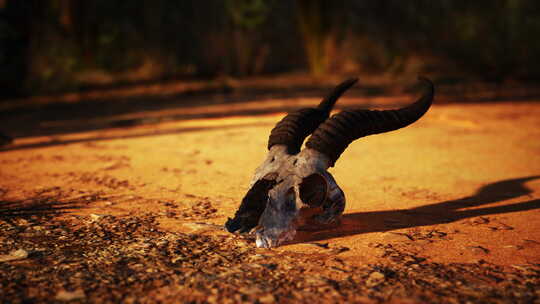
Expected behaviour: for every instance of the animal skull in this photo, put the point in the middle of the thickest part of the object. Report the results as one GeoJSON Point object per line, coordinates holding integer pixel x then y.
{"type": "Point", "coordinates": [291, 179]}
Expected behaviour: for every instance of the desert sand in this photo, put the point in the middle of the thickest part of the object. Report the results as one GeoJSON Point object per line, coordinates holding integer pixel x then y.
{"type": "Point", "coordinates": [459, 187]}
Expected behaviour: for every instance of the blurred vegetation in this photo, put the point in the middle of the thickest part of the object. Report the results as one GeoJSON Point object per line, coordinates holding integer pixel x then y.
{"type": "Point", "coordinates": [60, 45]}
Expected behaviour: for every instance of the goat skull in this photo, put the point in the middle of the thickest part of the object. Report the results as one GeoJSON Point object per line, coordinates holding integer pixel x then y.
{"type": "Point", "coordinates": [291, 179]}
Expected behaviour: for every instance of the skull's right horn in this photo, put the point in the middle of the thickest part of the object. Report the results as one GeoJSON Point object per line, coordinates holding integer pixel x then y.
{"type": "Point", "coordinates": [295, 127]}
{"type": "Point", "coordinates": [333, 136]}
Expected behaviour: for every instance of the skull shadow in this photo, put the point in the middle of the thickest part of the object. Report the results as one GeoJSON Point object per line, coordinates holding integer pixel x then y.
{"type": "Point", "coordinates": [432, 214]}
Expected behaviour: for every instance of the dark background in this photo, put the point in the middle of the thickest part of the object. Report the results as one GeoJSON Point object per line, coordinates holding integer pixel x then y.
{"type": "Point", "coordinates": [55, 46]}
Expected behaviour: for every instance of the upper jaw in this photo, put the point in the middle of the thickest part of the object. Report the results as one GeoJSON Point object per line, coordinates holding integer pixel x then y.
{"type": "Point", "coordinates": [266, 240]}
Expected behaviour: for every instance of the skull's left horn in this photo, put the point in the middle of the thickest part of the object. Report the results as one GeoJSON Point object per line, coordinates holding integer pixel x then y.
{"type": "Point", "coordinates": [333, 136]}
{"type": "Point", "coordinates": [295, 127]}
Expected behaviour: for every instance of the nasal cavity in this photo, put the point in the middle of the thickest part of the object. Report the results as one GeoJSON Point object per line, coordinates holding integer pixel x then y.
{"type": "Point", "coordinates": [290, 201]}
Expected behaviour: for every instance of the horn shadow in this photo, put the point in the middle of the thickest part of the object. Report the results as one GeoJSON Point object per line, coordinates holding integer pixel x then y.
{"type": "Point", "coordinates": [433, 214]}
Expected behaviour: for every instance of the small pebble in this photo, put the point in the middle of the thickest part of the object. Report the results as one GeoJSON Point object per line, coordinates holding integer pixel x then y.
{"type": "Point", "coordinates": [267, 299]}
{"type": "Point", "coordinates": [375, 278]}
{"type": "Point", "coordinates": [14, 255]}
{"type": "Point", "coordinates": [64, 295]}
{"type": "Point", "coordinates": [95, 217]}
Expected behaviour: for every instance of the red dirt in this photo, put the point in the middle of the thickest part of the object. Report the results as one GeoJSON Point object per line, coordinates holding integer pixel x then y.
{"type": "Point", "coordinates": [462, 185]}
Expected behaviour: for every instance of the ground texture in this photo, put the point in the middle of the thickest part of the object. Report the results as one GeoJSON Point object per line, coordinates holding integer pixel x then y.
{"type": "Point", "coordinates": [446, 210]}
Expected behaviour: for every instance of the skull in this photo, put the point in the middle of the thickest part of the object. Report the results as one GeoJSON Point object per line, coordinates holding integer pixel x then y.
{"type": "Point", "coordinates": [300, 181]}
{"type": "Point", "coordinates": [290, 180]}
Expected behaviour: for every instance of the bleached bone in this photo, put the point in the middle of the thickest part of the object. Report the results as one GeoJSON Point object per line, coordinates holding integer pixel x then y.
{"type": "Point", "coordinates": [291, 179]}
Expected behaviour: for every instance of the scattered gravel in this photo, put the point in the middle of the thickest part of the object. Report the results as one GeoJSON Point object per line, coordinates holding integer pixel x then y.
{"type": "Point", "coordinates": [131, 260]}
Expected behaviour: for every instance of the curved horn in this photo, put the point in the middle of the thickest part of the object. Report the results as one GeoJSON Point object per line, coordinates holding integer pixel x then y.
{"type": "Point", "coordinates": [333, 136]}
{"type": "Point", "coordinates": [295, 127]}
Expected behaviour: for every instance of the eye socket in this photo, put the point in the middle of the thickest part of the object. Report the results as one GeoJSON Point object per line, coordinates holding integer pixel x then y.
{"type": "Point", "coordinates": [253, 205]}
{"type": "Point", "coordinates": [314, 190]}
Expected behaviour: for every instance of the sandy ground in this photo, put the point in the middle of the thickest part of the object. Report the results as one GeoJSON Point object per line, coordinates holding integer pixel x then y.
{"type": "Point", "coordinates": [462, 185]}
